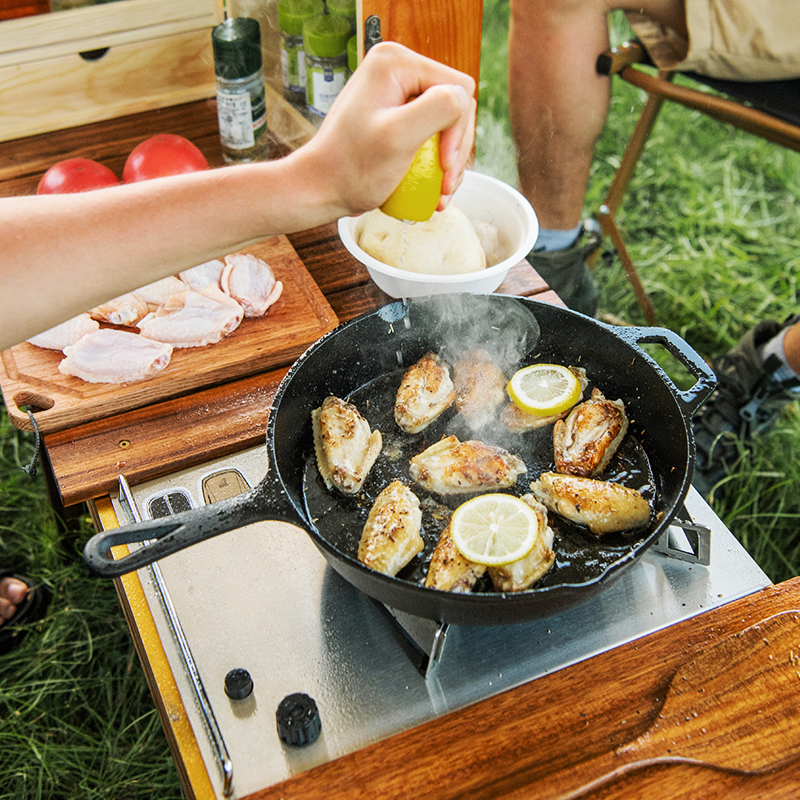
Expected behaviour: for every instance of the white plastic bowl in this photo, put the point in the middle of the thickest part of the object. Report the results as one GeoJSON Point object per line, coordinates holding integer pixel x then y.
{"type": "Point", "coordinates": [482, 198]}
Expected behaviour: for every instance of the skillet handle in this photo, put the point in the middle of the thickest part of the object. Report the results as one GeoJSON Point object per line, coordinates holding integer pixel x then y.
{"type": "Point", "coordinates": [696, 395]}
{"type": "Point", "coordinates": [167, 535]}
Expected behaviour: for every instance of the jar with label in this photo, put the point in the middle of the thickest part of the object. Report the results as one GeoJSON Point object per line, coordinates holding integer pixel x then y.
{"type": "Point", "coordinates": [292, 14]}
{"type": "Point", "coordinates": [325, 41]}
{"type": "Point", "coordinates": [241, 98]}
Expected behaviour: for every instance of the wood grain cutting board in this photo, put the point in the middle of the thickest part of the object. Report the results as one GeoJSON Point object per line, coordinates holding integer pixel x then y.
{"type": "Point", "coordinates": [29, 375]}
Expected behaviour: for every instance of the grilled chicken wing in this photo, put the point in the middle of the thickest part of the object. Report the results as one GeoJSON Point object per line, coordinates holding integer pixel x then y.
{"type": "Point", "coordinates": [515, 419]}
{"type": "Point", "coordinates": [480, 388]}
{"type": "Point", "coordinates": [602, 506]}
{"type": "Point", "coordinates": [391, 538]}
{"type": "Point", "coordinates": [345, 447]}
{"type": "Point", "coordinates": [521, 575]}
{"type": "Point", "coordinates": [587, 439]}
{"type": "Point", "coordinates": [454, 467]}
{"type": "Point", "coordinates": [449, 570]}
{"type": "Point", "coordinates": [425, 392]}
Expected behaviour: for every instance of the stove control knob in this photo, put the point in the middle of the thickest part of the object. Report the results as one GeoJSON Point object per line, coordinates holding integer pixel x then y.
{"type": "Point", "coordinates": [238, 684]}
{"type": "Point", "coordinates": [298, 720]}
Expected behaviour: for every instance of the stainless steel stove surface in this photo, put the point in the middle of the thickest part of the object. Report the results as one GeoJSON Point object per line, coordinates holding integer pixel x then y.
{"type": "Point", "coordinates": [263, 599]}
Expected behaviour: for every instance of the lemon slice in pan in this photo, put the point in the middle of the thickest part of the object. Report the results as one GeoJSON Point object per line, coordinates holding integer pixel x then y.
{"type": "Point", "coordinates": [544, 389]}
{"type": "Point", "coordinates": [494, 529]}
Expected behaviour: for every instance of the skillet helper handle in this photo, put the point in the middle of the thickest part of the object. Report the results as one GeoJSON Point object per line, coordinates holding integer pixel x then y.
{"type": "Point", "coordinates": [695, 396]}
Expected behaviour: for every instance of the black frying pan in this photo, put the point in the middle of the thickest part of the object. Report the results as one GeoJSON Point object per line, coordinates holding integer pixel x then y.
{"type": "Point", "coordinates": [363, 360]}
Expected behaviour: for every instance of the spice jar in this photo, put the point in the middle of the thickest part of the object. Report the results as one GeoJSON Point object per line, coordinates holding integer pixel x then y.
{"type": "Point", "coordinates": [241, 101]}
{"type": "Point", "coordinates": [352, 55]}
{"type": "Point", "coordinates": [325, 41]}
{"type": "Point", "coordinates": [292, 14]}
{"type": "Point", "coordinates": [343, 8]}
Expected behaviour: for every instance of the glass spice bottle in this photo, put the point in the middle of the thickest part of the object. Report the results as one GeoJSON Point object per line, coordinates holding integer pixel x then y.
{"type": "Point", "coordinates": [292, 14]}
{"type": "Point", "coordinates": [241, 100]}
{"type": "Point", "coordinates": [325, 41]}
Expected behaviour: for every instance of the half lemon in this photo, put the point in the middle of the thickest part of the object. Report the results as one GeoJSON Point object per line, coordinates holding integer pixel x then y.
{"type": "Point", "coordinates": [417, 195]}
{"type": "Point", "coordinates": [544, 389]}
{"type": "Point", "coordinates": [494, 529]}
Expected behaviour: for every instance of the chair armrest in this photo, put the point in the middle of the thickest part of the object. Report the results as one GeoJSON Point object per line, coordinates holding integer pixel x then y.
{"type": "Point", "coordinates": [615, 59]}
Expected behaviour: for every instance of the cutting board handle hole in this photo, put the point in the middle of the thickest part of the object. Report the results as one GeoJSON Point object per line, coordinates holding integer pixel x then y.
{"type": "Point", "coordinates": [25, 401]}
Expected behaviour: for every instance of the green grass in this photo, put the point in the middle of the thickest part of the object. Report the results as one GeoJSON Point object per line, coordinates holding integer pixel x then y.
{"type": "Point", "coordinates": [710, 220]}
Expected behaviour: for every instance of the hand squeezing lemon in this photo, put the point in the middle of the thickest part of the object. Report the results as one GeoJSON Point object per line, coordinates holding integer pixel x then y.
{"type": "Point", "coordinates": [417, 195]}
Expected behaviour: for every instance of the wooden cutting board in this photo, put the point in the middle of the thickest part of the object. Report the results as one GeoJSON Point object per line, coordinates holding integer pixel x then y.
{"type": "Point", "coordinates": [29, 375]}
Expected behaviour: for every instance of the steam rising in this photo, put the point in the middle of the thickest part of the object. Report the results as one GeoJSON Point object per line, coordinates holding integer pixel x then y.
{"type": "Point", "coordinates": [506, 329]}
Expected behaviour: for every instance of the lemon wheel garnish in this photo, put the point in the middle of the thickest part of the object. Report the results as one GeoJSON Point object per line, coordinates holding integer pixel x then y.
{"type": "Point", "coordinates": [544, 389]}
{"type": "Point", "coordinates": [494, 529]}
{"type": "Point", "coordinates": [417, 195]}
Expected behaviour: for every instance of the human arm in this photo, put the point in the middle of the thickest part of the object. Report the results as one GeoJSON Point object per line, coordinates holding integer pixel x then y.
{"type": "Point", "coordinates": [63, 254]}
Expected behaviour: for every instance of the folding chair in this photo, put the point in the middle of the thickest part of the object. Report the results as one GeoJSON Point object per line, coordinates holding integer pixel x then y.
{"type": "Point", "coordinates": [769, 109]}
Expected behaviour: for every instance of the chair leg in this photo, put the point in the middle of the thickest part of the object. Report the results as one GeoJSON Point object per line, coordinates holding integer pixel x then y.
{"type": "Point", "coordinates": [616, 193]}
{"type": "Point", "coordinates": [607, 222]}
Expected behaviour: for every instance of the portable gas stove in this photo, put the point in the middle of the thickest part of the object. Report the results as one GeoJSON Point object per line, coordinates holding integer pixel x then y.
{"type": "Point", "coordinates": [262, 599]}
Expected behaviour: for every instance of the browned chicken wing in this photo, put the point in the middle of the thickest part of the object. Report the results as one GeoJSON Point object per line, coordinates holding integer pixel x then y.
{"type": "Point", "coordinates": [425, 393]}
{"type": "Point", "coordinates": [344, 445]}
{"type": "Point", "coordinates": [454, 467]}
{"type": "Point", "coordinates": [480, 388]}
{"type": "Point", "coordinates": [391, 537]}
{"type": "Point", "coordinates": [587, 439]}
{"type": "Point", "coordinates": [521, 575]}
{"type": "Point", "coordinates": [449, 570]}
{"type": "Point", "coordinates": [601, 506]}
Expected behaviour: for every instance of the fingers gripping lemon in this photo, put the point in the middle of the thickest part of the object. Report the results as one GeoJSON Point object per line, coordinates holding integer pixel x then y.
{"type": "Point", "coordinates": [544, 389]}
{"type": "Point", "coordinates": [494, 529]}
{"type": "Point", "coordinates": [416, 196]}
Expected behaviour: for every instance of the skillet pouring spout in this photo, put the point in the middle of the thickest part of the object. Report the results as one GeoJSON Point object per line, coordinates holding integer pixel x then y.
{"type": "Point", "coordinates": [163, 537]}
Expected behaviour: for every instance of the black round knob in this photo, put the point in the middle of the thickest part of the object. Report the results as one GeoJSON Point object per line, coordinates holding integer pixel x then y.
{"type": "Point", "coordinates": [238, 684]}
{"type": "Point", "coordinates": [298, 720]}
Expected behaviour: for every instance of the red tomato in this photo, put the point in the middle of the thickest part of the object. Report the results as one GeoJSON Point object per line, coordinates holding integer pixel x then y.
{"type": "Point", "coordinates": [76, 175]}
{"type": "Point", "coordinates": [164, 154]}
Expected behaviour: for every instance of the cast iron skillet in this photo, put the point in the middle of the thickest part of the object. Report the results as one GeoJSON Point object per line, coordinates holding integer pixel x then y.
{"type": "Point", "coordinates": [363, 360]}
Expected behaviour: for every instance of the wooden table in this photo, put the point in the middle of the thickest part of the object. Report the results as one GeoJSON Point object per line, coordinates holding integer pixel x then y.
{"type": "Point", "coordinates": [509, 746]}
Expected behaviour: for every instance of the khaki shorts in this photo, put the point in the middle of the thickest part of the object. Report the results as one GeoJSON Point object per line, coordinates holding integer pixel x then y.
{"type": "Point", "coordinates": [733, 39]}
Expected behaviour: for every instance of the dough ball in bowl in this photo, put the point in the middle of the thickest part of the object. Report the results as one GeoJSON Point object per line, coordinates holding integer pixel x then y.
{"type": "Point", "coordinates": [446, 244]}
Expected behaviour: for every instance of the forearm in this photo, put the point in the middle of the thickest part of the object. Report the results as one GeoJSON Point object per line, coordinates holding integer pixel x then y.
{"type": "Point", "coordinates": [81, 250]}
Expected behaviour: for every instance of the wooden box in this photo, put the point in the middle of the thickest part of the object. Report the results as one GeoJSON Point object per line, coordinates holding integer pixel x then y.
{"type": "Point", "coordinates": [73, 67]}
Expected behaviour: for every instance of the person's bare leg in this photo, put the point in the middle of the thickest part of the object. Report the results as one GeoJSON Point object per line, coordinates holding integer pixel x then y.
{"type": "Point", "coordinates": [557, 102]}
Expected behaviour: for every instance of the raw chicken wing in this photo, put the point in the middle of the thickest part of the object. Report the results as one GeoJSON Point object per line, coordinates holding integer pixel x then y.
{"type": "Point", "coordinates": [203, 275]}
{"type": "Point", "coordinates": [391, 538]}
{"type": "Point", "coordinates": [449, 570]}
{"type": "Point", "coordinates": [601, 506]}
{"type": "Point", "coordinates": [250, 282]}
{"type": "Point", "coordinates": [157, 293]}
{"type": "Point", "coordinates": [65, 334]}
{"type": "Point", "coordinates": [112, 356]}
{"type": "Point", "coordinates": [193, 319]}
{"type": "Point", "coordinates": [454, 467]}
{"type": "Point", "coordinates": [127, 309]}
{"type": "Point", "coordinates": [587, 439]}
{"type": "Point", "coordinates": [480, 388]}
{"type": "Point", "coordinates": [345, 447]}
{"type": "Point", "coordinates": [425, 393]}
{"type": "Point", "coordinates": [521, 575]}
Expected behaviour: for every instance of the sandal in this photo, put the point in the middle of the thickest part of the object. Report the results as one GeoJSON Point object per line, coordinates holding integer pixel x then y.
{"type": "Point", "coordinates": [30, 610]}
